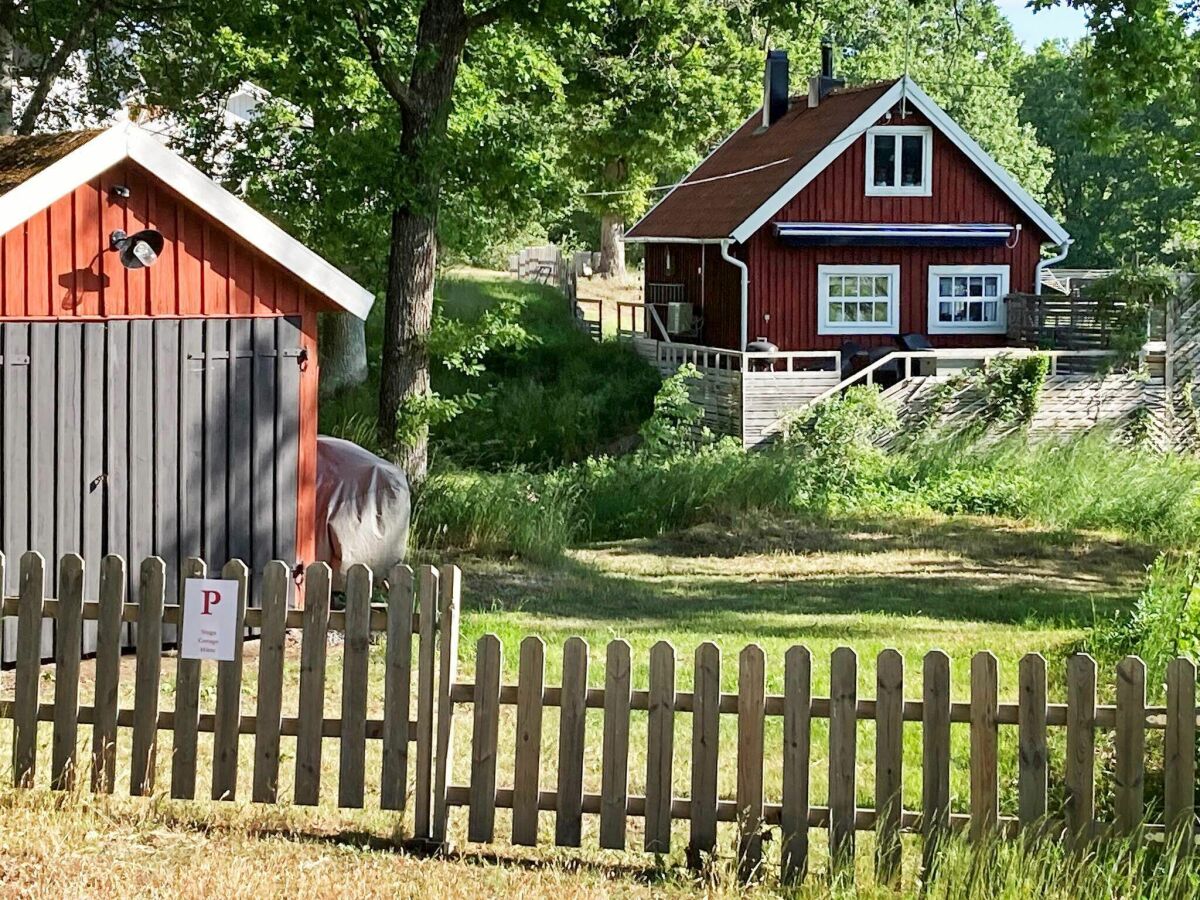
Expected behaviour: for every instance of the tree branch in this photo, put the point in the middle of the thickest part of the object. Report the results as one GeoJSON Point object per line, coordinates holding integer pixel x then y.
{"type": "Point", "coordinates": [53, 66]}
{"type": "Point", "coordinates": [494, 14]}
{"type": "Point", "coordinates": [388, 77]}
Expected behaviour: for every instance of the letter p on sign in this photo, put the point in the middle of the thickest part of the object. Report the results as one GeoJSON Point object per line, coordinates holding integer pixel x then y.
{"type": "Point", "coordinates": [209, 619]}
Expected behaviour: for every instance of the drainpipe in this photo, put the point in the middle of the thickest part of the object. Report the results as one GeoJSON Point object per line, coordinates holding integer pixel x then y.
{"type": "Point", "coordinates": [725, 255]}
{"type": "Point", "coordinates": [1065, 247]}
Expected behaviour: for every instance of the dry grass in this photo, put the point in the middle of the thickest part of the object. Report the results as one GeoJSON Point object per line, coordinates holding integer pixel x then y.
{"type": "Point", "coordinates": [607, 292]}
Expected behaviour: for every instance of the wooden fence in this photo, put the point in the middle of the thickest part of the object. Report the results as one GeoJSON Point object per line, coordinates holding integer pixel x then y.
{"type": "Point", "coordinates": [425, 606]}
{"type": "Point", "coordinates": [793, 813]}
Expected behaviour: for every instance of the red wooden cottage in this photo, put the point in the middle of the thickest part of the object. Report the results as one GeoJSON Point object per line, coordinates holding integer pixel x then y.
{"type": "Point", "coordinates": [158, 365]}
{"type": "Point", "coordinates": [852, 214]}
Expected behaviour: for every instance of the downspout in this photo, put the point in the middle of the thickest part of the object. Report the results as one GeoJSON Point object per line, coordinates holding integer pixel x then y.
{"type": "Point", "coordinates": [1065, 247]}
{"type": "Point", "coordinates": [725, 255]}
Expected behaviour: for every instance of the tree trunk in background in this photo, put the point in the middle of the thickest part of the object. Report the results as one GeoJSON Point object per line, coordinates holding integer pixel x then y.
{"type": "Point", "coordinates": [6, 75]}
{"type": "Point", "coordinates": [612, 247]}
{"type": "Point", "coordinates": [405, 371]}
{"type": "Point", "coordinates": [343, 352]}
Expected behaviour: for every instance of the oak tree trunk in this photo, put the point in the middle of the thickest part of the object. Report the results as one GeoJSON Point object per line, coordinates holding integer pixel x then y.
{"type": "Point", "coordinates": [412, 256]}
{"type": "Point", "coordinates": [343, 352]}
{"type": "Point", "coordinates": [612, 246]}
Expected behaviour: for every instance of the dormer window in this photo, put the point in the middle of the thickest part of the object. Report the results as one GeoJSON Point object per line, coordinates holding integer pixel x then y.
{"type": "Point", "coordinates": [900, 161]}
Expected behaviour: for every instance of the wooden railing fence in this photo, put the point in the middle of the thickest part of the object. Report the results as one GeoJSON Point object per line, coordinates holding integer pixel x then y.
{"type": "Point", "coordinates": [424, 605]}
{"type": "Point", "coordinates": [794, 813]}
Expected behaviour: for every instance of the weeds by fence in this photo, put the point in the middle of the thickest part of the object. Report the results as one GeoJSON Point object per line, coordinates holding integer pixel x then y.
{"type": "Point", "coordinates": [426, 607]}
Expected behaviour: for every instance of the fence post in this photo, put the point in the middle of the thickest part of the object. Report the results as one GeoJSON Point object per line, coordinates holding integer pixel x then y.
{"type": "Point", "coordinates": [426, 686]}
{"type": "Point", "coordinates": [1081, 745]}
{"type": "Point", "coordinates": [797, 742]}
{"type": "Point", "coordinates": [614, 776]}
{"type": "Point", "coordinates": [1131, 744]}
{"type": "Point", "coordinates": [889, 764]}
{"type": "Point", "coordinates": [1179, 756]}
{"type": "Point", "coordinates": [269, 708]}
{"type": "Point", "coordinates": [313, 643]}
{"type": "Point", "coordinates": [451, 589]}
{"type": "Point", "coordinates": [572, 738]}
{"type": "Point", "coordinates": [528, 762]}
{"type": "Point", "coordinates": [843, 739]}
{"type": "Point", "coordinates": [108, 674]}
{"type": "Point", "coordinates": [67, 649]}
{"type": "Point", "coordinates": [397, 688]}
{"type": "Point", "coordinates": [706, 735]}
{"type": "Point", "coordinates": [228, 719]}
{"type": "Point", "coordinates": [152, 584]}
{"type": "Point", "coordinates": [935, 757]}
{"type": "Point", "coordinates": [481, 823]}
{"type": "Point", "coordinates": [352, 755]}
{"type": "Point", "coordinates": [660, 748]}
{"type": "Point", "coordinates": [187, 698]}
{"type": "Point", "coordinates": [26, 694]}
{"type": "Point", "coordinates": [1031, 722]}
{"type": "Point", "coordinates": [985, 787]}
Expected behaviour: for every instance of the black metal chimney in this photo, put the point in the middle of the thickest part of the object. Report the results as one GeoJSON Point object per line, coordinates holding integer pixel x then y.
{"type": "Point", "coordinates": [775, 87]}
{"type": "Point", "coordinates": [820, 85]}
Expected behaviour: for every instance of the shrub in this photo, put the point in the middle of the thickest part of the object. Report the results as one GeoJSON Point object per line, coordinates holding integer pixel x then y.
{"type": "Point", "coordinates": [1165, 621]}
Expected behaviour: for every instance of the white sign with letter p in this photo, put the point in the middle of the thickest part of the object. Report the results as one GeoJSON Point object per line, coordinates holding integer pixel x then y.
{"type": "Point", "coordinates": [209, 619]}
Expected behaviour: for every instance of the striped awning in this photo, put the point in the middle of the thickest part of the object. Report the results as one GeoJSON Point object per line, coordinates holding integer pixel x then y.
{"type": "Point", "coordinates": [808, 234]}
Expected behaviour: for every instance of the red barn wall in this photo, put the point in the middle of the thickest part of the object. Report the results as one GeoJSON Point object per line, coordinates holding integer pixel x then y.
{"type": "Point", "coordinates": [709, 282]}
{"type": "Point", "coordinates": [58, 265]}
{"type": "Point", "coordinates": [783, 280]}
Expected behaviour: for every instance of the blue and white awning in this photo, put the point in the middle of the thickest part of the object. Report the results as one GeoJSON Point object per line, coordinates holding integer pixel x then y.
{"type": "Point", "coordinates": [835, 234]}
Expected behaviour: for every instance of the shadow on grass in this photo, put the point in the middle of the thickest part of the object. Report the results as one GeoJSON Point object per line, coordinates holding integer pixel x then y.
{"type": "Point", "coordinates": [760, 579]}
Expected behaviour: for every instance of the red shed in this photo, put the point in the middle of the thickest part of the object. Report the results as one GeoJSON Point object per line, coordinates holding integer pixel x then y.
{"type": "Point", "coordinates": [158, 364]}
{"type": "Point", "coordinates": [852, 214]}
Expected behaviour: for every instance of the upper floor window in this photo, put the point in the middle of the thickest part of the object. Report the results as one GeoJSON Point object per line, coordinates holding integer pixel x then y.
{"type": "Point", "coordinates": [900, 160]}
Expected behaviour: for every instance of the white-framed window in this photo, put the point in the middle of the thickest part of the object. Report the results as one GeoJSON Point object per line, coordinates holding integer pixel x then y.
{"type": "Point", "coordinates": [967, 298]}
{"type": "Point", "coordinates": [858, 299]}
{"type": "Point", "coordinates": [900, 161]}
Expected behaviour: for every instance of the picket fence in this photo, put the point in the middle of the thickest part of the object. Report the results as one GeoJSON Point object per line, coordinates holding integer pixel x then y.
{"type": "Point", "coordinates": [426, 605]}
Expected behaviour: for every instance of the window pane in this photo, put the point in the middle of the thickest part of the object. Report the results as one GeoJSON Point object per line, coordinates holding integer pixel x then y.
{"type": "Point", "coordinates": [976, 312]}
{"type": "Point", "coordinates": [881, 312]}
{"type": "Point", "coordinates": [960, 312]}
{"type": "Point", "coordinates": [835, 285]}
{"type": "Point", "coordinates": [990, 309]}
{"type": "Point", "coordinates": [835, 312]}
{"type": "Point", "coordinates": [851, 312]}
{"type": "Point", "coordinates": [884, 164]}
{"type": "Point", "coordinates": [881, 286]}
{"type": "Point", "coordinates": [991, 286]}
{"type": "Point", "coordinates": [945, 310]}
{"type": "Point", "coordinates": [945, 287]}
{"type": "Point", "coordinates": [960, 286]}
{"type": "Point", "coordinates": [912, 160]}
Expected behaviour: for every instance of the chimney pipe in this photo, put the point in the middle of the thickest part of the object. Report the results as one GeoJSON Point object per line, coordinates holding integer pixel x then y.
{"type": "Point", "coordinates": [775, 87]}
{"type": "Point", "coordinates": [819, 86]}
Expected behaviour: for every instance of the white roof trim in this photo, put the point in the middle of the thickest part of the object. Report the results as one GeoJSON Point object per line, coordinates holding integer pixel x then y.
{"type": "Point", "coordinates": [920, 100]}
{"type": "Point", "coordinates": [127, 141]}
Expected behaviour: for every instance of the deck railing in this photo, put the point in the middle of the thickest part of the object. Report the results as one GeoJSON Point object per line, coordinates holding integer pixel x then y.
{"type": "Point", "coordinates": [718, 359]}
{"type": "Point", "coordinates": [981, 356]}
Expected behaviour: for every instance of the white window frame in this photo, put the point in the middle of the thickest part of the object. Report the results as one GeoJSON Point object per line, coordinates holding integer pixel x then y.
{"type": "Point", "coordinates": [825, 327]}
{"type": "Point", "coordinates": [925, 189]}
{"type": "Point", "coordinates": [1000, 326]}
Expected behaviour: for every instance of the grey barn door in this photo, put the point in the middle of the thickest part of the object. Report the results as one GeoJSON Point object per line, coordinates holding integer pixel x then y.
{"type": "Point", "coordinates": [167, 437]}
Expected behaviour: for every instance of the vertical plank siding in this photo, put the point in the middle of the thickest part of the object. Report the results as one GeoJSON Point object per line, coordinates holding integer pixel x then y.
{"type": "Point", "coordinates": [126, 437]}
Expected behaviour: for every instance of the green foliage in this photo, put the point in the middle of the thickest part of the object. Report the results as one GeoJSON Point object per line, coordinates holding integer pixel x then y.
{"type": "Point", "coordinates": [1165, 621]}
{"type": "Point", "coordinates": [1125, 302]}
{"type": "Point", "coordinates": [1012, 387]}
{"type": "Point", "coordinates": [676, 425]}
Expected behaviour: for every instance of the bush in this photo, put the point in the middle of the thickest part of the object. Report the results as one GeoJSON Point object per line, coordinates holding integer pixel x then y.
{"type": "Point", "coordinates": [1165, 621]}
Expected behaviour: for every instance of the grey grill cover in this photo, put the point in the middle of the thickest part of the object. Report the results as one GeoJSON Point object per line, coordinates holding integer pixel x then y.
{"type": "Point", "coordinates": [362, 509]}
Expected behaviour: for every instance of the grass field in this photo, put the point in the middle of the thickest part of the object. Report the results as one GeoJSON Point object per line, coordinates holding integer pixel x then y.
{"type": "Point", "coordinates": [958, 584]}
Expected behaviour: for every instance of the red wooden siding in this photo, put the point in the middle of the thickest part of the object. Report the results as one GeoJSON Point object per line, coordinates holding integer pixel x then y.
{"type": "Point", "coordinates": [709, 282]}
{"type": "Point", "coordinates": [783, 280]}
{"type": "Point", "coordinates": [58, 265]}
